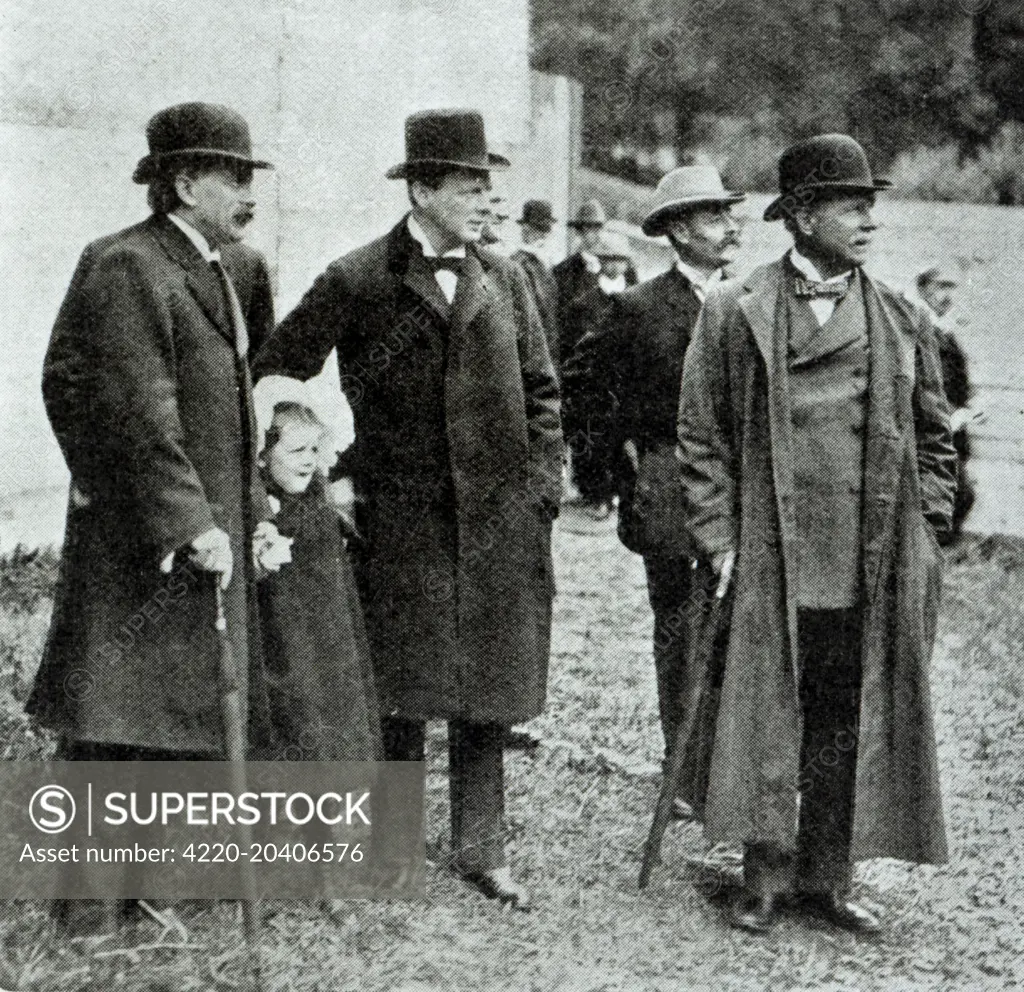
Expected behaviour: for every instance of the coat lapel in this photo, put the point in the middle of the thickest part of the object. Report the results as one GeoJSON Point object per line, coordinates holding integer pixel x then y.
{"type": "Point", "coordinates": [200, 278]}
{"type": "Point", "coordinates": [882, 464]}
{"type": "Point", "coordinates": [472, 292]}
{"type": "Point", "coordinates": [420, 279]}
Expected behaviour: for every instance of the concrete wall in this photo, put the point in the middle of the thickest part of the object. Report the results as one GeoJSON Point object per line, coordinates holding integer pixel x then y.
{"type": "Point", "coordinates": [325, 87]}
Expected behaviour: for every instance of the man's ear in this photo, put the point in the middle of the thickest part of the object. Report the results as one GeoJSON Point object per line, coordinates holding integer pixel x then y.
{"type": "Point", "coordinates": [184, 185]}
{"type": "Point", "coordinates": [803, 221]}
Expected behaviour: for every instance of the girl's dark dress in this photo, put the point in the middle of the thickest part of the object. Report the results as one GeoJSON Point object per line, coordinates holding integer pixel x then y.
{"type": "Point", "coordinates": [320, 681]}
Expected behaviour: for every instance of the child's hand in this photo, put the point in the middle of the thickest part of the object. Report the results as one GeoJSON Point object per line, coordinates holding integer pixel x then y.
{"type": "Point", "coordinates": [342, 496]}
{"type": "Point", "coordinates": [269, 549]}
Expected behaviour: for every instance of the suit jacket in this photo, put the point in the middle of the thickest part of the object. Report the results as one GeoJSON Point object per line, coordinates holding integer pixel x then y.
{"type": "Point", "coordinates": [458, 458]}
{"type": "Point", "coordinates": [573, 279]}
{"type": "Point", "coordinates": [736, 440]}
{"type": "Point", "coordinates": [152, 409]}
{"type": "Point", "coordinates": [545, 294]}
{"type": "Point", "coordinates": [629, 368]}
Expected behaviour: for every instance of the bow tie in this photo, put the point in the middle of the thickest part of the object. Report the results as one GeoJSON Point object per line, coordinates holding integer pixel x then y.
{"type": "Point", "coordinates": [808, 289]}
{"type": "Point", "coordinates": [445, 263]}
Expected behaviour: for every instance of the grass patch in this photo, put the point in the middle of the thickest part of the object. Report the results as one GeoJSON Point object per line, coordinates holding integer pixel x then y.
{"type": "Point", "coordinates": [578, 813]}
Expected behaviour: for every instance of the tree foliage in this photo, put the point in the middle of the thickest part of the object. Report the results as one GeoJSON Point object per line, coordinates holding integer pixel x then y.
{"type": "Point", "coordinates": [896, 73]}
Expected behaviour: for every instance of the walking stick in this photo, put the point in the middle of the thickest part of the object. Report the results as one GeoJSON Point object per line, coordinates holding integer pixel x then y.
{"type": "Point", "coordinates": [702, 660]}
{"type": "Point", "coordinates": [235, 734]}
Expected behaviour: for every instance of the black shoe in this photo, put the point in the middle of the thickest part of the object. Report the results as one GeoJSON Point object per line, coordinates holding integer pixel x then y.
{"type": "Point", "coordinates": [520, 740]}
{"type": "Point", "coordinates": [498, 884]}
{"type": "Point", "coordinates": [682, 811]}
{"type": "Point", "coordinates": [840, 912]}
{"type": "Point", "coordinates": [755, 914]}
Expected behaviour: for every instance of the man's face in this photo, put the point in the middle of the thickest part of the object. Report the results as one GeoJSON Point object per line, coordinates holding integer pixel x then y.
{"type": "Point", "coordinates": [218, 203]}
{"type": "Point", "coordinates": [589, 235]}
{"type": "Point", "coordinates": [938, 294]}
{"type": "Point", "coordinates": [614, 267]}
{"type": "Point", "coordinates": [707, 237]}
{"type": "Point", "coordinates": [458, 209]}
{"type": "Point", "coordinates": [838, 229]}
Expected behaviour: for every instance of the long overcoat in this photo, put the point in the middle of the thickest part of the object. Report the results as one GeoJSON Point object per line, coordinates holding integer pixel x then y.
{"type": "Point", "coordinates": [628, 369]}
{"type": "Point", "coordinates": [457, 460]}
{"type": "Point", "coordinates": [736, 450]}
{"type": "Point", "coordinates": [152, 410]}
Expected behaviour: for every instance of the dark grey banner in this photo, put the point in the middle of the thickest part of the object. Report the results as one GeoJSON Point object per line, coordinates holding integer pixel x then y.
{"type": "Point", "coordinates": [207, 830]}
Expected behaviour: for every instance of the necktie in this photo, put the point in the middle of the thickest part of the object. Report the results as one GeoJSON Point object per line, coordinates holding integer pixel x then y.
{"type": "Point", "coordinates": [446, 263]}
{"type": "Point", "coordinates": [808, 289]}
{"type": "Point", "coordinates": [235, 309]}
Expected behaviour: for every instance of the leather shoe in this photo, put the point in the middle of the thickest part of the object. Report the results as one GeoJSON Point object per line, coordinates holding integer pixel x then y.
{"type": "Point", "coordinates": [682, 811]}
{"type": "Point", "coordinates": [520, 740]}
{"type": "Point", "coordinates": [755, 914]}
{"type": "Point", "coordinates": [841, 912]}
{"type": "Point", "coordinates": [498, 884]}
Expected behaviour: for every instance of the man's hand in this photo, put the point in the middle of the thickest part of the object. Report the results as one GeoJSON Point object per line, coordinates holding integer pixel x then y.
{"type": "Point", "coordinates": [211, 552]}
{"type": "Point", "coordinates": [966, 416]}
{"type": "Point", "coordinates": [723, 565]}
{"type": "Point", "coordinates": [269, 549]}
{"type": "Point", "coordinates": [342, 496]}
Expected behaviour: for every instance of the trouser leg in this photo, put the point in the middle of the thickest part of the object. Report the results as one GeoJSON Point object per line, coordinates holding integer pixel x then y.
{"type": "Point", "coordinates": [401, 740]}
{"type": "Point", "coordinates": [668, 589]}
{"type": "Point", "coordinates": [830, 647]}
{"type": "Point", "coordinates": [476, 775]}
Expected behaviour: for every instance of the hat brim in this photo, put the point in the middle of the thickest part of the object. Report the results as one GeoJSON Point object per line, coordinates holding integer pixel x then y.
{"type": "Point", "coordinates": [652, 224]}
{"type": "Point", "coordinates": [545, 225]}
{"type": "Point", "coordinates": [494, 163]}
{"type": "Point", "coordinates": [776, 210]}
{"type": "Point", "coordinates": [150, 166]}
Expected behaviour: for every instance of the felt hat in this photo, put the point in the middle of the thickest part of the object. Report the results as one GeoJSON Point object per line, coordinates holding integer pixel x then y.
{"type": "Point", "coordinates": [446, 137]}
{"type": "Point", "coordinates": [612, 244]}
{"type": "Point", "coordinates": [590, 214]}
{"type": "Point", "coordinates": [682, 189]}
{"type": "Point", "coordinates": [538, 214]}
{"type": "Point", "coordinates": [824, 162]}
{"type": "Point", "coordinates": [195, 130]}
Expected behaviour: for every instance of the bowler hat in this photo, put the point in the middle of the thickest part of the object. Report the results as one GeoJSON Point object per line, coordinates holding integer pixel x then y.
{"type": "Point", "coordinates": [195, 130]}
{"type": "Point", "coordinates": [824, 162]}
{"type": "Point", "coordinates": [537, 213]}
{"type": "Point", "coordinates": [590, 214]}
{"type": "Point", "coordinates": [682, 189]}
{"type": "Point", "coordinates": [446, 137]}
{"type": "Point", "coordinates": [612, 244]}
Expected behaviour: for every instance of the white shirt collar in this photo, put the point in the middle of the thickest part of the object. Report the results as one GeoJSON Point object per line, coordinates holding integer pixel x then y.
{"type": "Point", "coordinates": [592, 262]}
{"type": "Point", "coordinates": [697, 279]}
{"type": "Point", "coordinates": [609, 285]}
{"type": "Point", "coordinates": [536, 251]}
{"type": "Point", "coordinates": [419, 235]}
{"type": "Point", "coordinates": [201, 244]}
{"type": "Point", "coordinates": [808, 269]}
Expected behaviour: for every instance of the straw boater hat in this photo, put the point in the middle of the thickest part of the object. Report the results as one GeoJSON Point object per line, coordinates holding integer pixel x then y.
{"type": "Point", "coordinates": [682, 189]}
{"type": "Point", "coordinates": [612, 244]}
{"type": "Point", "coordinates": [537, 213]}
{"type": "Point", "coordinates": [824, 162]}
{"type": "Point", "coordinates": [590, 214]}
{"type": "Point", "coordinates": [195, 130]}
{"type": "Point", "coordinates": [446, 137]}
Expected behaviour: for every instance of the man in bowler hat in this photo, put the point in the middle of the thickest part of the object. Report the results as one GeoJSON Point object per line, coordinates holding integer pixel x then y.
{"type": "Point", "coordinates": [146, 384]}
{"type": "Point", "coordinates": [819, 471]}
{"type": "Point", "coordinates": [586, 421]}
{"type": "Point", "coordinates": [936, 286]}
{"type": "Point", "coordinates": [535, 225]}
{"type": "Point", "coordinates": [632, 363]}
{"type": "Point", "coordinates": [578, 273]}
{"type": "Point", "coordinates": [457, 467]}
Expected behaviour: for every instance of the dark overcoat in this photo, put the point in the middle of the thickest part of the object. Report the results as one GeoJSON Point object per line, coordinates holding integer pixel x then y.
{"type": "Point", "coordinates": [152, 410]}
{"type": "Point", "coordinates": [629, 368]}
{"type": "Point", "coordinates": [736, 449]}
{"type": "Point", "coordinates": [457, 460]}
{"type": "Point", "coordinates": [545, 294]}
{"type": "Point", "coordinates": [573, 279]}
{"type": "Point", "coordinates": [323, 705]}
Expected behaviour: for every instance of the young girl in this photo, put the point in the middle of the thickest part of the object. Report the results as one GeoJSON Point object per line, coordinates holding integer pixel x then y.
{"type": "Point", "coordinates": [322, 699]}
